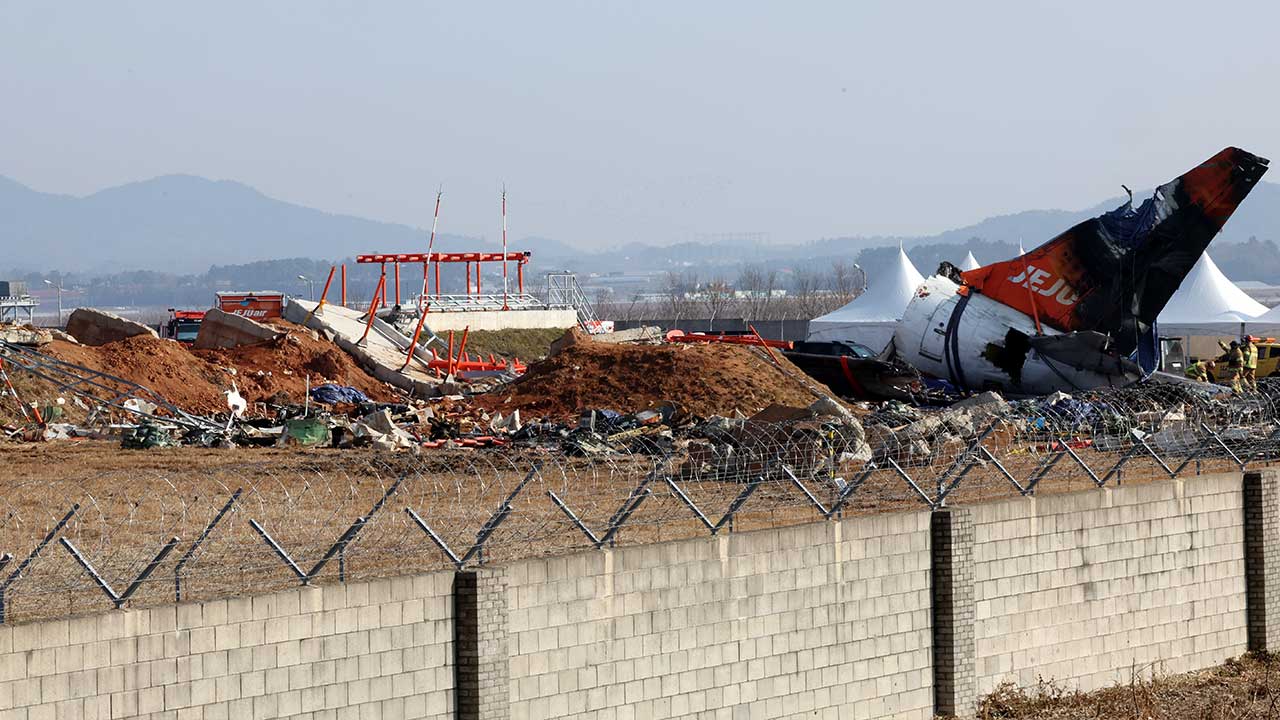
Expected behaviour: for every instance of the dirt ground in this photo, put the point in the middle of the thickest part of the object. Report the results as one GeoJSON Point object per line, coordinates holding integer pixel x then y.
{"type": "Point", "coordinates": [194, 380]}
{"type": "Point", "coordinates": [713, 379]}
{"type": "Point", "coordinates": [131, 501]}
{"type": "Point", "coordinates": [1247, 688]}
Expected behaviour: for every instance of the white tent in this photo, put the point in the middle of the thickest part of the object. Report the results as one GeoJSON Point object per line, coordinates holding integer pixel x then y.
{"type": "Point", "coordinates": [970, 262]}
{"type": "Point", "coordinates": [871, 318]}
{"type": "Point", "coordinates": [1207, 303]}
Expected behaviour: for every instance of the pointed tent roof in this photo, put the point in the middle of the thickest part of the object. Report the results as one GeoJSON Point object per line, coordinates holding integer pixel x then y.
{"type": "Point", "coordinates": [1207, 296]}
{"type": "Point", "coordinates": [1270, 316]}
{"type": "Point", "coordinates": [886, 297]}
{"type": "Point", "coordinates": [970, 262]}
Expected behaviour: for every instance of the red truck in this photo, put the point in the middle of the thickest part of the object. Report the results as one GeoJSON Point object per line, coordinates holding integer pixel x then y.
{"type": "Point", "coordinates": [255, 305]}
{"type": "Point", "coordinates": [183, 325]}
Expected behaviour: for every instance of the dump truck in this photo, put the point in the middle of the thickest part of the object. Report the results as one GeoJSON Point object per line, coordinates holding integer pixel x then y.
{"type": "Point", "coordinates": [183, 325]}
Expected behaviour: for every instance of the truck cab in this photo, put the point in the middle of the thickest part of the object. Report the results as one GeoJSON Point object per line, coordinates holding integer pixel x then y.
{"type": "Point", "coordinates": [183, 325]}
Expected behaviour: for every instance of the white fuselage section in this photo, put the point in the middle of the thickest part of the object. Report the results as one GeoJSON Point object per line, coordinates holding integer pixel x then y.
{"type": "Point", "coordinates": [985, 347]}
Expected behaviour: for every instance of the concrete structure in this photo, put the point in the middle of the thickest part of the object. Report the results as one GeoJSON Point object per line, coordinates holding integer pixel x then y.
{"type": "Point", "coordinates": [25, 335]}
{"type": "Point", "coordinates": [502, 319]}
{"type": "Point", "coordinates": [379, 649]}
{"type": "Point", "coordinates": [820, 620]}
{"type": "Point", "coordinates": [382, 353]}
{"type": "Point", "coordinates": [91, 326]}
{"type": "Point", "coordinates": [221, 329]}
{"type": "Point", "coordinates": [1085, 588]}
{"type": "Point", "coordinates": [888, 616]}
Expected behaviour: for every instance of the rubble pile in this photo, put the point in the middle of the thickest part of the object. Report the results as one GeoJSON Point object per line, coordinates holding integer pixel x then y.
{"type": "Point", "coordinates": [701, 380]}
{"type": "Point", "coordinates": [196, 380]}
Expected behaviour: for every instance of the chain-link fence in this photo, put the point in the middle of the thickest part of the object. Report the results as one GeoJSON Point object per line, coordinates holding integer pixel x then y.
{"type": "Point", "coordinates": [151, 536]}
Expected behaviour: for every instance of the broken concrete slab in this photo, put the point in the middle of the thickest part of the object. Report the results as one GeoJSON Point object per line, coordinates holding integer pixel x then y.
{"type": "Point", "coordinates": [382, 354]}
{"type": "Point", "coordinates": [92, 326]}
{"type": "Point", "coordinates": [225, 330]}
{"type": "Point", "coordinates": [638, 334]}
{"type": "Point", "coordinates": [25, 335]}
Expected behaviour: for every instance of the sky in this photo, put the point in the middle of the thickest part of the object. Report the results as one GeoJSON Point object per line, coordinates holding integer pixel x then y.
{"type": "Point", "coordinates": [651, 121]}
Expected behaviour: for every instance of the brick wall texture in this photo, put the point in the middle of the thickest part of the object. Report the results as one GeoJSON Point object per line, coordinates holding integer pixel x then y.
{"type": "Point", "coordinates": [818, 621]}
{"type": "Point", "coordinates": [1262, 558]}
{"type": "Point", "coordinates": [376, 649]}
{"type": "Point", "coordinates": [954, 681]}
{"type": "Point", "coordinates": [1087, 588]}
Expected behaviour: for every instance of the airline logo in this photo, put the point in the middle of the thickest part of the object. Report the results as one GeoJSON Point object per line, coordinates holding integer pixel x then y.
{"type": "Point", "coordinates": [1042, 282]}
{"type": "Point", "coordinates": [250, 312]}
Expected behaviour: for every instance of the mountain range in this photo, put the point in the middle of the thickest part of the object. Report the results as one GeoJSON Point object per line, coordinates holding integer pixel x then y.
{"type": "Point", "coordinates": [185, 224]}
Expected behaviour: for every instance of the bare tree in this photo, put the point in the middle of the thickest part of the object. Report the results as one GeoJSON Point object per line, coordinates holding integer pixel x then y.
{"type": "Point", "coordinates": [847, 280]}
{"type": "Point", "coordinates": [758, 284]}
{"type": "Point", "coordinates": [717, 299]}
{"type": "Point", "coordinates": [676, 288]}
{"type": "Point", "coordinates": [806, 287]}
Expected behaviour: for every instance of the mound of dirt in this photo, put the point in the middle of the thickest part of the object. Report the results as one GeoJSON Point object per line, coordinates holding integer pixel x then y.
{"type": "Point", "coordinates": [195, 380]}
{"type": "Point", "coordinates": [701, 379]}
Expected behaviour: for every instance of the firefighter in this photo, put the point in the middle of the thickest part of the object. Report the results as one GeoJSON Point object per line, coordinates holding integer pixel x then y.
{"type": "Point", "coordinates": [1199, 371]}
{"type": "Point", "coordinates": [1250, 353]}
{"type": "Point", "coordinates": [1235, 363]}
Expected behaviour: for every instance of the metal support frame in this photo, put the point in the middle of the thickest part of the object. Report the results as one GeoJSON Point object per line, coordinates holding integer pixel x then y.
{"type": "Point", "coordinates": [903, 474]}
{"type": "Point", "coordinates": [574, 518]}
{"type": "Point", "coordinates": [1139, 445]}
{"type": "Point", "coordinates": [26, 562]}
{"type": "Point", "coordinates": [120, 598]}
{"type": "Point", "coordinates": [338, 548]}
{"type": "Point", "coordinates": [439, 541]}
{"type": "Point", "coordinates": [1050, 461]}
{"type": "Point", "coordinates": [81, 381]}
{"type": "Point", "coordinates": [490, 525]}
{"type": "Point", "coordinates": [1213, 438]}
{"type": "Point", "coordinates": [727, 518]}
{"type": "Point", "coordinates": [191, 551]}
{"type": "Point", "coordinates": [634, 499]}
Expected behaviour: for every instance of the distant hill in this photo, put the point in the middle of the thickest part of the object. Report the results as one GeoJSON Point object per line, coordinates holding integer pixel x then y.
{"type": "Point", "coordinates": [186, 224]}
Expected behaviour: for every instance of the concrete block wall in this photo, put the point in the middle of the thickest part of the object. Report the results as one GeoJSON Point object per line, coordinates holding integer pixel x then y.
{"type": "Point", "coordinates": [1084, 588]}
{"type": "Point", "coordinates": [818, 621]}
{"type": "Point", "coordinates": [378, 649]}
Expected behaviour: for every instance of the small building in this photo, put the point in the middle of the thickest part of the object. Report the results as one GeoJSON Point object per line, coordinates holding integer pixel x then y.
{"type": "Point", "coordinates": [16, 304]}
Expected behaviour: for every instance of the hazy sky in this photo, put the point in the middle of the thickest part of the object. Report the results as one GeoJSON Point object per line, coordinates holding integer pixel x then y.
{"type": "Point", "coordinates": [655, 121]}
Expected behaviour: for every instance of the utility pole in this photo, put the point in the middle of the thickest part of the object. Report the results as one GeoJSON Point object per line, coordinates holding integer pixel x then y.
{"type": "Point", "coordinates": [58, 287]}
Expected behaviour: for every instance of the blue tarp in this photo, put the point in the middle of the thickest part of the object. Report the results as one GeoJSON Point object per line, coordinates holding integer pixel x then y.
{"type": "Point", "coordinates": [332, 394]}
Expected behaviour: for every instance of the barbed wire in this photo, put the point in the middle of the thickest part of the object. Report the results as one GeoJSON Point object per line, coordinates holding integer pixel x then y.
{"type": "Point", "coordinates": [147, 537]}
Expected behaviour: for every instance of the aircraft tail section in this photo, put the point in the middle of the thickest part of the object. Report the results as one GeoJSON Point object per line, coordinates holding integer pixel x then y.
{"type": "Point", "coordinates": [1114, 273]}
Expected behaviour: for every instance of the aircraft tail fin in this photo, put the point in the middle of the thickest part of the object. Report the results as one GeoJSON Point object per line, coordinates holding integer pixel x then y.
{"type": "Point", "coordinates": [1115, 273]}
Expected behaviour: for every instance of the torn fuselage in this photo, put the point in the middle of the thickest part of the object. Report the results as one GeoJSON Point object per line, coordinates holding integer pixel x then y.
{"type": "Point", "coordinates": [980, 344]}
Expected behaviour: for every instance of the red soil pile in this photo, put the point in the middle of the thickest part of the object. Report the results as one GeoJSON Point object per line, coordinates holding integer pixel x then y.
{"type": "Point", "coordinates": [195, 380]}
{"type": "Point", "coordinates": [701, 379]}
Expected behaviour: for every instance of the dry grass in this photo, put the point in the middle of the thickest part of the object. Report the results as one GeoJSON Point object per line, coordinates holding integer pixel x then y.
{"type": "Point", "coordinates": [1247, 688]}
{"type": "Point", "coordinates": [527, 344]}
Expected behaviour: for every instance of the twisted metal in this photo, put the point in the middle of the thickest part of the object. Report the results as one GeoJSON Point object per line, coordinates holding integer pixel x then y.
{"type": "Point", "coordinates": [153, 536]}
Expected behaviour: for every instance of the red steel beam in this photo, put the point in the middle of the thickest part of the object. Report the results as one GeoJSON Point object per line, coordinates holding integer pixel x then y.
{"type": "Point", "coordinates": [451, 257]}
